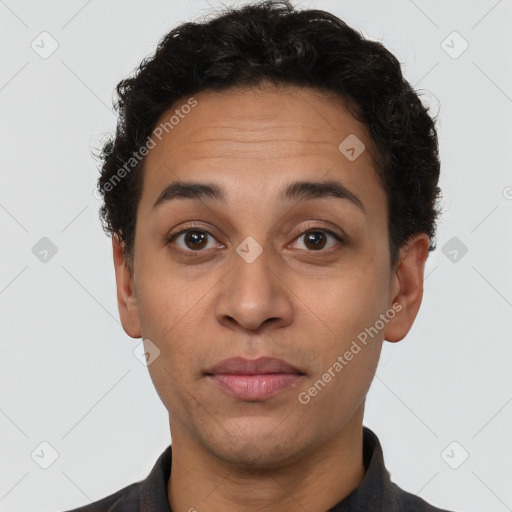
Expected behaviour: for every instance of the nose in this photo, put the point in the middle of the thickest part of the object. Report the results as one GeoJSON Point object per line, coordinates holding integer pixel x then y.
{"type": "Point", "coordinates": [253, 296]}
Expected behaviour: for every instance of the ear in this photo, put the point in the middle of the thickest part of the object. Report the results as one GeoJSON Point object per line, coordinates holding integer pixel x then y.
{"type": "Point", "coordinates": [126, 299]}
{"type": "Point", "coordinates": [407, 286]}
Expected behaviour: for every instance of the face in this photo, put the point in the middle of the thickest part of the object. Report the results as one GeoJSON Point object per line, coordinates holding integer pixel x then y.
{"type": "Point", "coordinates": [265, 268]}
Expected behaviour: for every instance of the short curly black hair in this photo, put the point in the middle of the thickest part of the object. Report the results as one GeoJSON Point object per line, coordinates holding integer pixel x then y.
{"type": "Point", "coordinates": [272, 41]}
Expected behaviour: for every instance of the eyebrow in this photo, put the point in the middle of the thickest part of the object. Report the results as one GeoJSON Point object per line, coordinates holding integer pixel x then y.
{"type": "Point", "coordinates": [298, 190]}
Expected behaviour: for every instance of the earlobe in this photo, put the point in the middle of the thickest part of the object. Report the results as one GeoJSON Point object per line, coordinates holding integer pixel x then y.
{"type": "Point", "coordinates": [126, 298]}
{"type": "Point", "coordinates": [407, 287]}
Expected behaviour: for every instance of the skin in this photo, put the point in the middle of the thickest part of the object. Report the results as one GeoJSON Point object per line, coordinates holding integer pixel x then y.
{"type": "Point", "coordinates": [305, 308]}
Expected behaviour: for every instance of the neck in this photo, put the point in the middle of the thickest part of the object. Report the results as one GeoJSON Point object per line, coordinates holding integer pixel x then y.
{"type": "Point", "coordinates": [200, 481]}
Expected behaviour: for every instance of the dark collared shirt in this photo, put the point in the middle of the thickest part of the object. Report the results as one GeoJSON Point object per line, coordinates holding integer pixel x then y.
{"type": "Point", "coordinates": [375, 493]}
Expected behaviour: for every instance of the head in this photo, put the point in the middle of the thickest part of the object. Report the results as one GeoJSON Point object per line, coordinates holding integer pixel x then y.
{"type": "Point", "coordinates": [271, 189]}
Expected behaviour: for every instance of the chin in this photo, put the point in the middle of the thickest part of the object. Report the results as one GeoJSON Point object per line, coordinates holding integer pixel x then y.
{"type": "Point", "coordinates": [260, 448]}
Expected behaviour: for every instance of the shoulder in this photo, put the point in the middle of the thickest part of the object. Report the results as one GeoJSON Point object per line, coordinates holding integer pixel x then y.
{"type": "Point", "coordinates": [125, 500]}
{"type": "Point", "coordinates": [147, 494]}
{"type": "Point", "coordinates": [411, 503]}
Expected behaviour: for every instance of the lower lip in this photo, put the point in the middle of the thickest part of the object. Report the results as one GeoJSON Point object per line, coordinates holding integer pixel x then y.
{"type": "Point", "coordinates": [254, 387]}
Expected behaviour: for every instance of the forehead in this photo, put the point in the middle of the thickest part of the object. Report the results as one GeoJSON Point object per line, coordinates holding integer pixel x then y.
{"type": "Point", "coordinates": [253, 142]}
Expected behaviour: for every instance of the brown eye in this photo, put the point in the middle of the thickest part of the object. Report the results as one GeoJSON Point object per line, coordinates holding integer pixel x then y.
{"type": "Point", "coordinates": [192, 240]}
{"type": "Point", "coordinates": [195, 239]}
{"type": "Point", "coordinates": [316, 240]}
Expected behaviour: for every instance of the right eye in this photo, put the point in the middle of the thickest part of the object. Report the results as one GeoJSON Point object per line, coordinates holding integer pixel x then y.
{"type": "Point", "coordinates": [192, 240]}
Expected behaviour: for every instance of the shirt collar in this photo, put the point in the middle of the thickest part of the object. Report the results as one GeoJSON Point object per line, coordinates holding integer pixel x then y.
{"type": "Point", "coordinates": [375, 492]}
{"type": "Point", "coordinates": [153, 490]}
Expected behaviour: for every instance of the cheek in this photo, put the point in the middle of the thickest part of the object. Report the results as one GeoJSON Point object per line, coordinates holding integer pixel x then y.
{"type": "Point", "coordinates": [344, 343]}
{"type": "Point", "coordinates": [172, 331]}
{"type": "Point", "coordinates": [344, 365]}
{"type": "Point", "coordinates": [347, 303]}
{"type": "Point", "coordinates": [175, 313]}
{"type": "Point", "coordinates": [166, 298]}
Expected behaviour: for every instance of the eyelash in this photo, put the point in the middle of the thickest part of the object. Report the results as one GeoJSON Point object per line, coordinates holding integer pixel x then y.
{"type": "Point", "coordinates": [313, 229]}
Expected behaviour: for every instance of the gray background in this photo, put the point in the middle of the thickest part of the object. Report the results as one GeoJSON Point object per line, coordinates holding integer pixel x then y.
{"type": "Point", "coordinates": [68, 373]}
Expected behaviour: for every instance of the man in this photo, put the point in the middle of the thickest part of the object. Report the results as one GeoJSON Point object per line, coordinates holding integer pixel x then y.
{"type": "Point", "coordinates": [271, 192]}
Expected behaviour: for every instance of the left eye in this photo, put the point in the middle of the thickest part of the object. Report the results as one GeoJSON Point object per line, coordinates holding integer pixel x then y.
{"type": "Point", "coordinates": [315, 240]}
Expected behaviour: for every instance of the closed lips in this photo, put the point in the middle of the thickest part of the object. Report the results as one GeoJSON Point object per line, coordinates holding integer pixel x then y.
{"type": "Point", "coordinates": [260, 366]}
